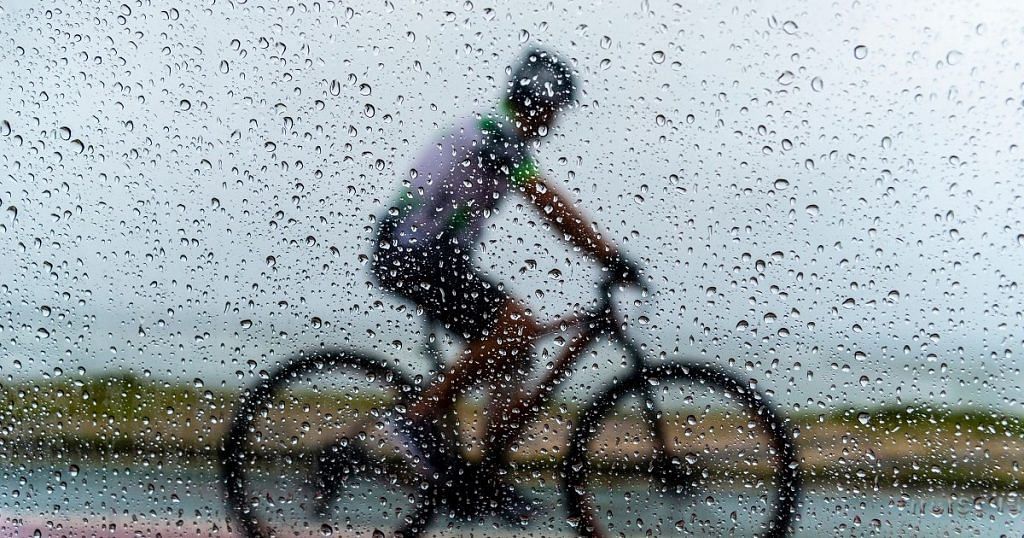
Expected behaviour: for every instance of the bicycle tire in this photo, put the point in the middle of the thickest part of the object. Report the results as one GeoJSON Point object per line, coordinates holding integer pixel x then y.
{"type": "Point", "coordinates": [236, 455]}
{"type": "Point", "coordinates": [577, 465]}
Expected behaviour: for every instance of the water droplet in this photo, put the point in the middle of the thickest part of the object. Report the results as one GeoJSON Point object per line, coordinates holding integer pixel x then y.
{"type": "Point", "coordinates": [886, 142]}
{"type": "Point", "coordinates": [860, 52]}
{"type": "Point", "coordinates": [335, 88]}
{"type": "Point", "coordinates": [185, 104]}
{"type": "Point", "coordinates": [953, 57]}
{"type": "Point", "coordinates": [5, 128]}
{"type": "Point", "coordinates": [863, 418]}
{"type": "Point", "coordinates": [270, 146]}
{"type": "Point", "coordinates": [786, 78]}
{"type": "Point", "coordinates": [742, 325]}
{"type": "Point", "coordinates": [369, 111]}
{"type": "Point", "coordinates": [606, 42]}
{"type": "Point", "coordinates": [224, 67]}
{"type": "Point", "coordinates": [65, 133]}
{"type": "Point", "coordinates": [246, 323]}
{"type": "Point", "coordinates": [658, 57]}
{"type": "Point", "coordinates": [781, 184]}
{"type": "Point", "coordinates": [42, 333]}
{"type": "Point", "coordinates": [817, 84]}
{"type": "Point", "coordinates": [660, 120]}
{"type": "Point", "coordinates": [789, 27]}
{"type": "Point", "coordinates": [605, 64]}
{"type": "Point", "coordinates": [271, 261]}
{"type": "Point", "coordinates": [214, 203]}
{"type": "Point", "coordinates": [812, 210]}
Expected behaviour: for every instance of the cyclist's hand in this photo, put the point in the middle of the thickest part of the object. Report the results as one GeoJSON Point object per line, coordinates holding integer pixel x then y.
{"type": "Point", "coordinates": [624, 270]}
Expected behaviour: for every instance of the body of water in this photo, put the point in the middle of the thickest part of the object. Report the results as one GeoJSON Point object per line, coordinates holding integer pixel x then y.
{"type": "Point", "coordinates": [144, 496]}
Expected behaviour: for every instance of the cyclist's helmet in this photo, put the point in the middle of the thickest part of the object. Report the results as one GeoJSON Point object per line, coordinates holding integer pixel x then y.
{"type": "Point", "coordinates": [542, 80]}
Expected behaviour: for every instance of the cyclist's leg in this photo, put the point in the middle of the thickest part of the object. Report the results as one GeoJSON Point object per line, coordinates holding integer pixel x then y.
{"type": "Point", "coordinates": [499, 331]}
{"type": "Point", "coordinates": [505, 387]}
{"type": "Point", "coordinates": [509, 344]}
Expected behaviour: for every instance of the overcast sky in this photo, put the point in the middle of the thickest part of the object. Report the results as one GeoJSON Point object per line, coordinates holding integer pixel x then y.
{"type": "Point", "coordinates": [830, 196]}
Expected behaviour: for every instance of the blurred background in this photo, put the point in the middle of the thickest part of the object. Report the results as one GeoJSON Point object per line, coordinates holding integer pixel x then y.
{"type": "Point", "coordinates": [827, 198]}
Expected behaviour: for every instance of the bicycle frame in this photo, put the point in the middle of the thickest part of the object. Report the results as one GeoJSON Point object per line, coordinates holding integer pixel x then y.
{"type": "Point", "coordinates": [598, 321]}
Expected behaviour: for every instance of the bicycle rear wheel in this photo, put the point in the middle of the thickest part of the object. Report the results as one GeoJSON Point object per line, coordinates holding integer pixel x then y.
{"type": "Point", "coordinates": [681, 449]}
{"type": "Point", "coordinates": [312, 451]}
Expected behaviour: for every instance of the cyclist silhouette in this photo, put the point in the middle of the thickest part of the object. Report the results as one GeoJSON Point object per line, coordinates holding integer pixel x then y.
{"type": "Point", "coordinates": [424, 252]}
{"type": "Point", "coordinates": [426, 240]}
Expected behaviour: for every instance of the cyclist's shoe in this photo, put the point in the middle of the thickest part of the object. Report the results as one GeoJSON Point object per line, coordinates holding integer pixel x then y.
{"type": "Point", "coordinates": [514, 507]}
{"type": "Point", "coordinates": [674, 478]}
{"type": "Point", "coordinates": [475, 490]}
{"type": "Point", "coordinates": [333, 464]}
{"type": "Point", "coordinates": [424, 445]}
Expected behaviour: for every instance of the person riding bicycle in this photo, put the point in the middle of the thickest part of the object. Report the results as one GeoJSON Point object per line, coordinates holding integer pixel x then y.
{"type": "Point", "coordinates": [427, 239]}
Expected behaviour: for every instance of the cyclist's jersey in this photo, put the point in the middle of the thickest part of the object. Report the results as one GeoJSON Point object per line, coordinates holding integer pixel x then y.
{"type": "Point", "coordinates": [457, 183]}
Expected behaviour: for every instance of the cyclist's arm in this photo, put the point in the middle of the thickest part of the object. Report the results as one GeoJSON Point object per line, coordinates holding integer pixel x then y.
{"type": "Point", "coordinates": [555, 204]}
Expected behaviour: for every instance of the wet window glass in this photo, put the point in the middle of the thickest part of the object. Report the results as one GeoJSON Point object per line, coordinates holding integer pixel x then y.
{"type": "Point", "coordinates": [464, 268]}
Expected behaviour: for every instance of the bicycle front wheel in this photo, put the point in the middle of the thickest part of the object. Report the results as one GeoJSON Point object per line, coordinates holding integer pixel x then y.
{"type": "Point", "coordinates": [682, 449]}
{"type": "Point", "coordinates": [313, 450]}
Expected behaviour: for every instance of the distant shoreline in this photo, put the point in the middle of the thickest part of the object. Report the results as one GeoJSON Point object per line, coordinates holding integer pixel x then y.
{"type": "Point", "coordinates": [129, 417]}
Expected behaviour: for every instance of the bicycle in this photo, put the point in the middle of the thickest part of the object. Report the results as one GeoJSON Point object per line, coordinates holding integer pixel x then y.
{"type": "Point", "coordinates": [640, 431]}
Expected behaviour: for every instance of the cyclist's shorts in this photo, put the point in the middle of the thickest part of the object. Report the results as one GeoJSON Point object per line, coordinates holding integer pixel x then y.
{"type": "Point", "coordinates": [443, 282]}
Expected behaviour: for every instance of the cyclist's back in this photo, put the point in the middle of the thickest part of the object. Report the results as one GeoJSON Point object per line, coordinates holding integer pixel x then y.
{"type": "Point", "coordinates": [458, 183]}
